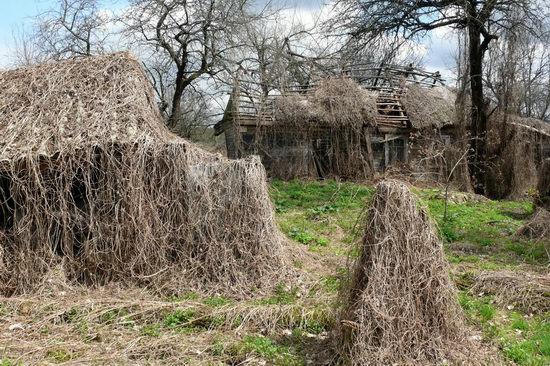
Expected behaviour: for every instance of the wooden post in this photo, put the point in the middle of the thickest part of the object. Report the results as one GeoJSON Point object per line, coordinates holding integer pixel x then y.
{"type": "Point", "coordinates": [405, 149]}
{"type": "Point", "coordinates": [386, 152]}
{"type": "Point", "coordinates": [235, 115]}
{"type": "Point", "coordinates": [378, 74]}
{"type": "Point", "coordinates": [370, 154]}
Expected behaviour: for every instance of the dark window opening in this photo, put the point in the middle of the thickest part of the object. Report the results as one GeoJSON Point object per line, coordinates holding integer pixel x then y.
{"type": "Point", "coordinates": [378, 152]}
{"type": "Point", "coordinates": [7, 204]}
{"type": "Point", "coordinates": [397, 150]}
{"type": "Point", "coordinates": [247, 139]}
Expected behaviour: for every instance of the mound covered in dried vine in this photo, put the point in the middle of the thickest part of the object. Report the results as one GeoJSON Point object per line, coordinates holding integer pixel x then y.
{"type": "Point", "coordinates": [90, 179]}
{"type": "Point", "coordinates": [401, 306]}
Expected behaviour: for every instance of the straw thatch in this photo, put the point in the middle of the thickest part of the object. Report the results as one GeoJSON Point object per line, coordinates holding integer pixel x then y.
{"type": "Point", "coordinates": [429, 108]}
{"type": "Point", "coordinates": [534, 125]}
{"type": "Point", "coordinates": [538, 226]}
{"type": "Point", "coordinates": [401, 306]}
{"type": "Point", "coordinates": [334, 102]}
{"type": "Point", "coordinates": [91, 179]}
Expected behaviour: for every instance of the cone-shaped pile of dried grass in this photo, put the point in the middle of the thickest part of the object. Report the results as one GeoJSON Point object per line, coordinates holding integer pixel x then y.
{"type": "Point", "coordinates": [538, 226]}
{"type": "Point", "coordinates": [90, 179]}
{"type": "Point", "coordinates": [401, 304]}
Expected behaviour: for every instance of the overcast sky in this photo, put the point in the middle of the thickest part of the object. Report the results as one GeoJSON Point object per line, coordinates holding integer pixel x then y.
{"type": "Point", "coordinates": [439, 49]}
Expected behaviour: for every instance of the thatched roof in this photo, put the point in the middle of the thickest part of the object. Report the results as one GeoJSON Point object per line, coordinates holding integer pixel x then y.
{"type": "Point", "coordinates": [334, 102]}
{"type": "Point", "coordinates": [532, 124]}
{"type": "Point", "coordinates": [343, 102]}
{"type": "Point", "coordinates": [56, 106]}
{"type": "Point", "coordinates": [429, 107]}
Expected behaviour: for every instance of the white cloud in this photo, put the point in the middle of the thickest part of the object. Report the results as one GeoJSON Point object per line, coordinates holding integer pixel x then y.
{"type": "Point", "coordinates": [442, 50]}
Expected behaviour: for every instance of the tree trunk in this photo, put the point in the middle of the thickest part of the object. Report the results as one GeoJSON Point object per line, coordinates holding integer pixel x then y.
{"type": "Point", "coordinates": [478, 129]}
{"type": "Point", "coordinates": [175, 114]}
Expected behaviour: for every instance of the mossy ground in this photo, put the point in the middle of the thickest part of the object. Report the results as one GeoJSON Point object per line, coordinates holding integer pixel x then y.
{"type": "Point", "coordinates": [291, 325]}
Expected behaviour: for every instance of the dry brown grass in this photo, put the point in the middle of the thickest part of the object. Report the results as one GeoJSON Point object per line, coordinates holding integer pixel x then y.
{"type": "Point", "coordinates": [92, 180]}
{"type": "Point", "coordinates": [64, 323]}
{"type": "Point", "coordinates": [528, 292]}
{"type": "Point", "coordinates": [512, 168]}
{"type": "Point", "coordinates": [401, 306]}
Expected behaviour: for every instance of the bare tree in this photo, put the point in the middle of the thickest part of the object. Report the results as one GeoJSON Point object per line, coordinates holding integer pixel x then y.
{"type": "Point", "coordinates": [533, 76]}
{"type": "Point", "coordinates": [264, 53]}
{"type": "Point", "coordinates": [25, 51]}
{"type": "Point", "coordinates": [517, 73]}
{"type": "Point", "coordinates": [196, 106]}
{"type": "Point", "coordinates": [192, 38]}
{"type": "Point", "coordinates": [482, 20]}
{"type": "Point", "coordinates": [72, 28]}
{"type": "Point", "coordinates": [279, 52]}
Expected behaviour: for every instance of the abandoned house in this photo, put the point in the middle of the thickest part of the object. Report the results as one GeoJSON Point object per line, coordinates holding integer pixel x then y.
{"type": "Point", "coordinates": [350, 124]}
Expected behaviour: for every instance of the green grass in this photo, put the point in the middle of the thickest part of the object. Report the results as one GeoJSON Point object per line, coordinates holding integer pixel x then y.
{"type": "Point", "coordinates": [267, 349]}
{"type": "Point", "coordinates": [117, 316]}
{"type": "Point", "coordinates": [255, 346]}
{"type": "Point", "coordinates": [490, 225]}
{"type": "Point", "coordinates": [151, 330]}
{"type": "Point", "coordinates": [526, 341]}
{"type": "Point", "coordinates": [216, 301]}
{"type": "Point", "coordinates": [7, 362]}
{"type": "Point", "coordinates": [320, 213]}
{"type": "Point", "coordinates": [59, 355]}
{"type": "Point", "coordinates": [306, 237]}
{"type": "Point", "coordinates": [321, 196]}
{"type": "Point", "coordinates": [179, 318]}
{"type": "Point", "coordinates": [190, 321]}
{"type": "Point", "coordinates": [283, 295]}
{"type": "Point", "coordinates": [523, 339]}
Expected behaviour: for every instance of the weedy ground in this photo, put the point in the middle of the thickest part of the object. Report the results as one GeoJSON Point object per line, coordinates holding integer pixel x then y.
{"type": "Point", "coordinates": [290, 325]}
